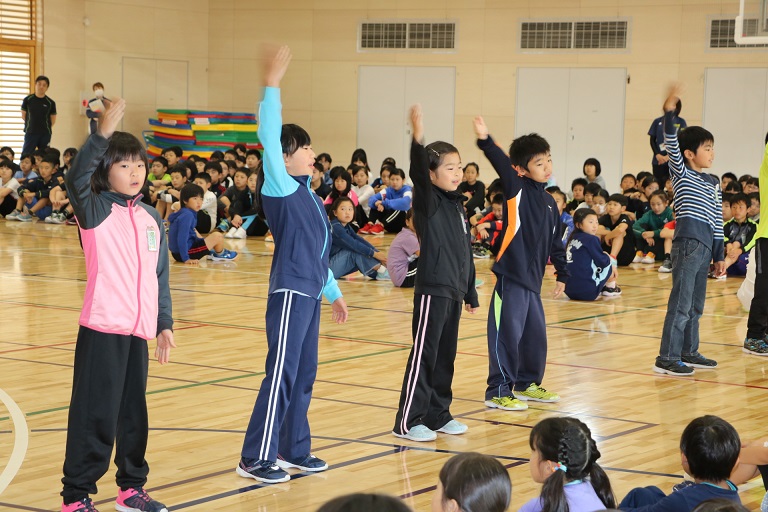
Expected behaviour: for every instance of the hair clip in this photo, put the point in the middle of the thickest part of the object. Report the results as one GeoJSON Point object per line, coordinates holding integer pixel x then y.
{"type": "Point", "coordinates": [435, 152]}
{"type": "Point", "coordinates": [561, 467]}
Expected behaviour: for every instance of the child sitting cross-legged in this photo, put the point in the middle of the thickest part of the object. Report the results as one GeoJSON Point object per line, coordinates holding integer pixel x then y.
{"type": "Point", "coordinates": [183, 241]}
{"type": "Point", "coordinates": [349, 252]}
{"type": "Point", "coordinates": [738, 232]}
{"type": "Point", "coordinates": [403, 255]}
{"type": "Point", "coordinates": [616, 231]}
{"type": "Point", "coordinates": [388, 207]}
{"type": "Point", "coordinates": [648, 229]}
{"type": "Point", "coordinates": [709, 450]}
{"type": "Point", "coordinates": [566, 219]}
{"type": "Point", "coordinates": [590, 267]}
{"type": "Point", "coordinates": [487, 230]}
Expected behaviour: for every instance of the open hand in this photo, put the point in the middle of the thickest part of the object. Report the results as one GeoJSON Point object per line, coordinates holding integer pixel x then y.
{"type": "Point", "coordinates": [164, 345]}
{"type": "Point", "coordinates": [481, 130]}
{"type": "Point", "coordinates": [417, 121]}
{"type": "Point", "coordinates": [340, 313]}
{"type": "Point", "coordinates": [673, 95]}
{"type": "Point", "coordinates": [559, 289]}
{"type": "Point", "coordinates": [111, 117]}
{"type": "Point", "coordinates": [275, 65]}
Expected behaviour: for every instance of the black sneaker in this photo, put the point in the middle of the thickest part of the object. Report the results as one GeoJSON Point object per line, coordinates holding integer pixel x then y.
{"type": "Point", "coordinates": [137, 500]}
{"type": "Point", "coordinates": [84, 505]}
{"type": "Point", "coordinates": [262, 470]}
{"type": "Point", "coordinates": [666, 267]}
{"type": "Point", "coordinates": [672, 368]}
{"type": "Point", "coordinates": [611, 292]}
{"type": "Point", "coordinates": [756, 347]}
{"type": "Point", "coordinates": [308, 463]}
{"type": "Point", "coordinates": [698, 361]}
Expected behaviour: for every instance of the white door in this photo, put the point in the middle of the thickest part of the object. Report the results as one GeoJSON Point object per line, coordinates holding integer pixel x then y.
{"type": "Point", "coordinates": [736, 112]}
{"type": "Point", "coordinates": [580, 111]}
{"type": "Point", "coordinates": [385, 93]}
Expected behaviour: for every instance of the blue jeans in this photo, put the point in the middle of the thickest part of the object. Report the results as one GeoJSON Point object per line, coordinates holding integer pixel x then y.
{"type": "Point", "coordinates": [345, 262]}
{"type": "Point", "coordinates": [690, 266]}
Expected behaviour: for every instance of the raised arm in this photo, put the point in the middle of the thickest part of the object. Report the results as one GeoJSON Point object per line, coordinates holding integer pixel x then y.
{"type": "Point", "coordinates": [419, 171]}
{"type": "Point", "coordinates": [676, 160]}
{"type": "Point", "coordinates": [277, 182]}
{"type": "Point", "coordinates": [78, 178]}
{"type": "Point", "coordinates": [498, 158]}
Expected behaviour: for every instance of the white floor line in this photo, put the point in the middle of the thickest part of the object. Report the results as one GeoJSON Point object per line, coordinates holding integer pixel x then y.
{"type": "Point", "coordinates": [21, 441]}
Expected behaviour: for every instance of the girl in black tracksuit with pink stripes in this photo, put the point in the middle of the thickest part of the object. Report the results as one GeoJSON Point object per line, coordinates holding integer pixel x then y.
{"type": "Point", "coordinates": [445, 280]}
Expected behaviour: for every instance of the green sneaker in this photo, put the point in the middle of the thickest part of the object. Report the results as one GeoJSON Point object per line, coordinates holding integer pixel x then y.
{"type": "Point", "coordinates": [537, 394]}
{"type": "Point", "coordinates": [506, 403]}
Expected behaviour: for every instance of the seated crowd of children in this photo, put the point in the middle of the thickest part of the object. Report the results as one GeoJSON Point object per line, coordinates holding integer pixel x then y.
{"type": "Point", "coordinates": [564, 459]}
{"type": "Point", "coordinates": [634, 226]}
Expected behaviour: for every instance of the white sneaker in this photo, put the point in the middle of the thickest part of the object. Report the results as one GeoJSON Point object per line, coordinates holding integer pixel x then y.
{"type": "Point", "coordinates": [56, 218]}
{"type": "Point", "coordinates": [239, 233]}
{"type": "Point", "coordinates": [637, 259]}
{"type": "Point", "coordinates": [230, 233]}
{"type": "Point", "coordinates": [648, 260]}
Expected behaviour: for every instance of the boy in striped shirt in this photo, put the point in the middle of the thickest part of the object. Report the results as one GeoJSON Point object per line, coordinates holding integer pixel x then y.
{"type": "Point", "coordinates": [698, 240]}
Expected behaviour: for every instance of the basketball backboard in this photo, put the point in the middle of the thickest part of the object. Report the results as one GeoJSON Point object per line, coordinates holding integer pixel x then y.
{"type": "Point", "coordinates": [752, 22]}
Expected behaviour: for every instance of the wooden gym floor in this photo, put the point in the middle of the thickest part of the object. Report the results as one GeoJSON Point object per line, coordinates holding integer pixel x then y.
{"type": "Point", "coordinates": [600, 358]}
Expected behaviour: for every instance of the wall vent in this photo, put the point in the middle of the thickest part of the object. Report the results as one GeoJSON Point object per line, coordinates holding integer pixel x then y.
{"type": "Point", "coordinates": [574, 35]}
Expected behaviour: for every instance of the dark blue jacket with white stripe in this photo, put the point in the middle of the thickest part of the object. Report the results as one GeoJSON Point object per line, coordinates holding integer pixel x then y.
{"type": "Point", "coordinates": [295, 215]}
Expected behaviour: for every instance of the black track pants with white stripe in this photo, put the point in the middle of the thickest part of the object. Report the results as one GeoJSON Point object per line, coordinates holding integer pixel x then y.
{"type": "Point", "coordinates": [279, 423]}
{"type": "Point", "coordinates": [426, 394]}
{"type": "Point", "coordinates": [393, 220]}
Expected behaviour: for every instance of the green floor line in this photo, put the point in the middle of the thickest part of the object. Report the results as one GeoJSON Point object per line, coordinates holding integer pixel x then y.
{"type": "Point", "coordinates": [225, 379]}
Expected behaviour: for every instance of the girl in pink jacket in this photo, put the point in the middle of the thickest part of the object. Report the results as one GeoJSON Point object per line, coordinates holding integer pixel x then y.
{"type": "Point", "coordinates": [127, 302]}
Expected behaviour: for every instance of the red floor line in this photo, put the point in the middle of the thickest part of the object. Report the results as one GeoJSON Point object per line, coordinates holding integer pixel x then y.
{"type": "Point", "coordinates": [187, 327]}
{"type": "Point", "coordinates": [37, 346]}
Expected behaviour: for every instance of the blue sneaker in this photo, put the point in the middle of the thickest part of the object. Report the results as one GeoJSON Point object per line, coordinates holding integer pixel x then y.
{"type": "Point", "coordinates": [454, 428]}
{"type": "Point", "coordinates": [14, 215]}
{"type": "Point", "coordinates": [224, 226]}
{"type": "Point", "coordinates": [308, 463]}
{"type": "Point", "coordinates": [262, 470]}
{"type": "Point", "coordinates": [418, 433]}
{"type": "Point", "coordinates": [382, 276]}
{"type": "Point", "coordinates": [225, 255]}
{"type": "Point", "coordinates": [25, 217]}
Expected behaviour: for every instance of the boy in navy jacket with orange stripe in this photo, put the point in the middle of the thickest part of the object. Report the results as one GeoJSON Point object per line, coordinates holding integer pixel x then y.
{"type": "Point", "coordinates": [517, 335]}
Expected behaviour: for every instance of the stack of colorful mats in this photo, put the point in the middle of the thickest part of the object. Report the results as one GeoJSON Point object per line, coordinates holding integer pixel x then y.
{"type": "Point", "coordinates": [199, 132]}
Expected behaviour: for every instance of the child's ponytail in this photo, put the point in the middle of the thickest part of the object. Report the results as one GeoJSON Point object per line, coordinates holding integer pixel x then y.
{"type": "Point", "coordinates": [568, 442]}
{"type": "Point", "coordinates": [598, 478]}
{"type": "Point", "coordinates": [553, 493]}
